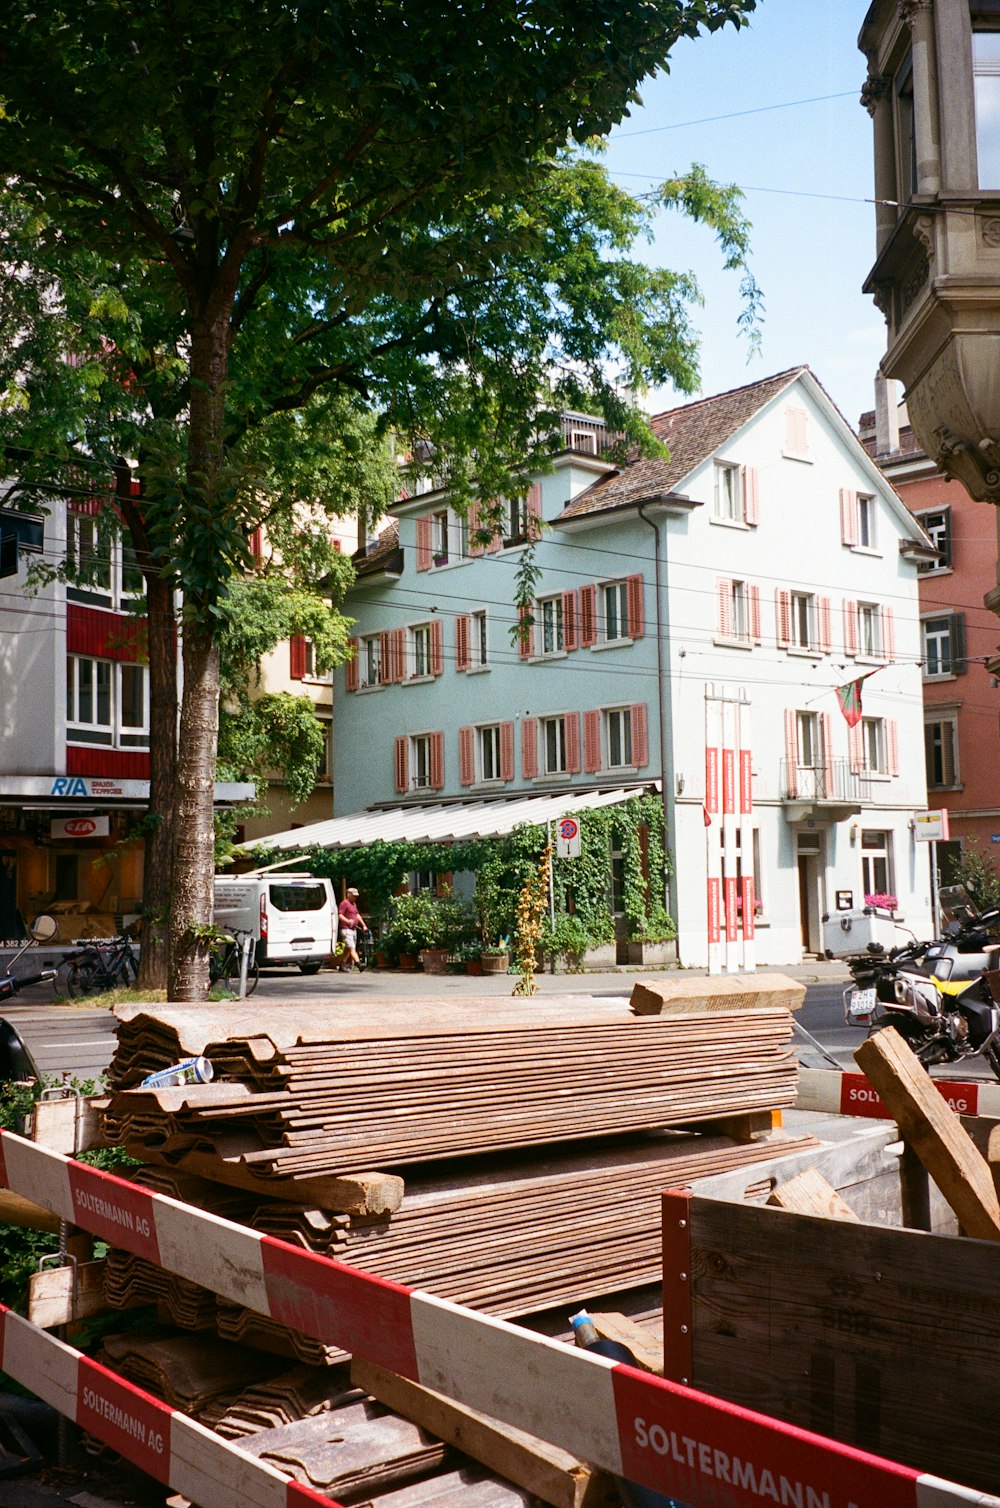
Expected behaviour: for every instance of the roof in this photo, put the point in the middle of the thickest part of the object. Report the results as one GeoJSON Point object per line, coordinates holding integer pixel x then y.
{"type": "Point", "coordinates": [447, 821]}
{"type": "Point", "coordinates": [692, 432]}
{"type": "Point", "coordinates": [378, 554]}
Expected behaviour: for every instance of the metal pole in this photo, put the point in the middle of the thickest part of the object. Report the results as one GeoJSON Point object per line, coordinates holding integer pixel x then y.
{"type": "Point", "coordinates": [552, 877]}
{"type": "Point", "coordinates": [935, 917]}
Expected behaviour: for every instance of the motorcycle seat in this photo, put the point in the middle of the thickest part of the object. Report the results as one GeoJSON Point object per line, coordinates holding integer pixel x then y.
{"type": "Point", "coordinates": [971, 965]}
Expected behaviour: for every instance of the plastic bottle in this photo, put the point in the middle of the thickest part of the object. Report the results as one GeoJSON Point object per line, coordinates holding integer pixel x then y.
{"type": "Point", "coordinates": [586, 1336]}
{"type": "Point", "coordinates": [188, 1071]}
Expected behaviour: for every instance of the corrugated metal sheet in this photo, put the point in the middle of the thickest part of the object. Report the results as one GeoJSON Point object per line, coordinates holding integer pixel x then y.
{"type": "Point", "coordinates": [448, 821]}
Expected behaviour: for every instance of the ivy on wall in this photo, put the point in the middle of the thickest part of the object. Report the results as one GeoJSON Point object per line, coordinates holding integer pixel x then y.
{"type": "Point", "coordinates": [503, 866]}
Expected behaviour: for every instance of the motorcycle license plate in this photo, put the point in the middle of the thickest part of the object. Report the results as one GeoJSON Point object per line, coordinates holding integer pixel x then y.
{"type": "Point", "coordinates": [861, 1007]}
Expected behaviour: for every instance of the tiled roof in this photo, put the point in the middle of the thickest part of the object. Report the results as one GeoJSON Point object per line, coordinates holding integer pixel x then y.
{"type": "Point", "coordinates": [377, 555]}
{"type": "Point", "coordinates": [692, 433]}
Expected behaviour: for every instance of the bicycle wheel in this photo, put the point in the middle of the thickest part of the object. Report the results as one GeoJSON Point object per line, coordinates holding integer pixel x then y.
{"type": "Point", "coordinates": [85, 978]}
{"type": "Point", "coordinates": [230, 976]}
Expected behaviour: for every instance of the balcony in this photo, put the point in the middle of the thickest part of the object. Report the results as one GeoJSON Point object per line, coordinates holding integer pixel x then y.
{"type": "Point", "coordinates": [831, 791]}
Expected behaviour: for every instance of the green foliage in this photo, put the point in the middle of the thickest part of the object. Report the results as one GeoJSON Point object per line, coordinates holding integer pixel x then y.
{"type": "Point", "coordinates": [975, 870]}
{"type": "Point", "coordinates": [424, 920]}
{"type": "Point", "coordinates": [567, 940]}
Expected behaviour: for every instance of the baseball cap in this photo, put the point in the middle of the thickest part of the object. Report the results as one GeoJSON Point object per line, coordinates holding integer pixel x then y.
{"type": "Point", "coordinates": [352, 891]}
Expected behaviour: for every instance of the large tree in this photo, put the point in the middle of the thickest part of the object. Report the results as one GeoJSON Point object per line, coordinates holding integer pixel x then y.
{"type": "Point", "coordinates": [275, 197]}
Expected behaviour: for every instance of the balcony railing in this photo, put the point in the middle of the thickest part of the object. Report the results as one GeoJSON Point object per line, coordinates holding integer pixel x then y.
{"type": "Point", "coordinates": [834, 783]}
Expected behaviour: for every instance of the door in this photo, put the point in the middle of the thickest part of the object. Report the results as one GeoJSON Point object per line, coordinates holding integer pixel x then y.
{"type": "Point", "coordinates": [11, 928]}
{"type": "Point", "coordinates": [810, 871]}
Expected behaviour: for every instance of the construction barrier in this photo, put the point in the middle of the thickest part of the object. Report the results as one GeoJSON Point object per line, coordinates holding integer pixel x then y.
{"type": "Point", "coordinates": [660, 1434]}
{"type": "Point", "coordinates": [833, 1093]}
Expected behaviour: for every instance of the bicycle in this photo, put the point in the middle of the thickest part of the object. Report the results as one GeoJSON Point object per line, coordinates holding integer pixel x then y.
{"type": "Point", "coordinates": [224, 964]}
{"type": "Point", "coordinates": [98, 967]}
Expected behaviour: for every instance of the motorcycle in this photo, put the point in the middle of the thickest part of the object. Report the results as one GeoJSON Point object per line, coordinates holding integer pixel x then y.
{"type": "Point", "coordinates": [942, 996]}
{"type": "Point", "coordinates": [16, 1061]}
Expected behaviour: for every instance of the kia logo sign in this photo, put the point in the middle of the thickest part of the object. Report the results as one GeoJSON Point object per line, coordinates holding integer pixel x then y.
{"type": "Point", "coordinates": [80, 827]}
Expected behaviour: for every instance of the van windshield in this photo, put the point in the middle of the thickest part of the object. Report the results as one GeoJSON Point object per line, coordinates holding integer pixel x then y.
{"type": "Point", "coordinates": [298, 897]}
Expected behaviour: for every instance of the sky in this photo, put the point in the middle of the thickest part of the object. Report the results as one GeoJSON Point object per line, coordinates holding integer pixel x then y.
{"type": "Point", "coordinates": [773, 108]}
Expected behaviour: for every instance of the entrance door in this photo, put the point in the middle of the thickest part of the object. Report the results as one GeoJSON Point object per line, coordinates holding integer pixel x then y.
{"type": "Point", "coordinates": [10, 922]}
{"type": "Point", "coordinates": [810, 870]}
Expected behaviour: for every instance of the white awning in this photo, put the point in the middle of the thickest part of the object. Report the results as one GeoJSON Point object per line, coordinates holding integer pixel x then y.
{"type": "Point", "coordinates": [447, 821]}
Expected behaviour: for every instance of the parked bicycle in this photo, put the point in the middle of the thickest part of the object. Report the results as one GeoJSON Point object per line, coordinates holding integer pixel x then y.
{"type": "Point", "coordinates": [225, 960]}
{"type": "Point", "coordinates": [108, 965]}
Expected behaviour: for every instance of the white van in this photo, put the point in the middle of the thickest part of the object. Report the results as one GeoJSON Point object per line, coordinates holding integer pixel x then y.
{"type": "Point", "coordinates": [293, 917]}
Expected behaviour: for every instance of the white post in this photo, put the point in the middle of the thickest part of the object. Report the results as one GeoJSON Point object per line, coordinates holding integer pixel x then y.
{"type": "Point", "coordinates": [245, 942]}
{"type": "Point", "coordinates": [935, 915]}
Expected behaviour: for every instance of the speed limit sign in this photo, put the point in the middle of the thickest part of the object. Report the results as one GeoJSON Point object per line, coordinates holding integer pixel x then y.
{"type": "Point", "coordinates": [568, 838]}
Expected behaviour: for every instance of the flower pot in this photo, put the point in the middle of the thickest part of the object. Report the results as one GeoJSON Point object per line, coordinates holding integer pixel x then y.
{"type": "Point", "coordinates": [434, 960]}
{"type": "Point", "coordinates": [473, 965]}
{"type": "Point", "coordinates": [495, 963]}
{"type": "Point", "coordinates": [382, 960]}
{"type": "Point", "coordinates": [408, 961]}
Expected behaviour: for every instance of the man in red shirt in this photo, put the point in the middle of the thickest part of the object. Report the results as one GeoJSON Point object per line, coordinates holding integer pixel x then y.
{"type": "Point", "coordinates": [350, 920]}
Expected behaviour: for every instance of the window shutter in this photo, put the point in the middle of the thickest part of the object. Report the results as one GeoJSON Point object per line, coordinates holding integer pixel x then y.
{"type": "Point", "coordinates": [791, 754]}
{"type": "Point", "coordinates": [462, 642]}
{"type": "Point", "coordinates": [956, 634]}
{"type": "Point", "coordinates": [796, 431]}
{"type": "Point", "coordinates": [888, 633]}
{"type": "Point", "coordinates": [424, 526]}
{"type": "Point", "coordinates": [437, 646]}
{"type": "Point", "coordinates": [466, 756]}
{"type": "Point", "coordinates": [402, 764]}
{"type": "Point", "coordinates": [640, 735]}
{"type": "Point", "coordinates": [569, 601]}
{"type": "Point", "coordinates": [824, 625]}
{"type": "Point", "coordinates": [783, 616]}
{"type": "Point", "coordinates": [297, 657]}
{"type": "Point", "coordinates": [529, 747]}
{"type": "Point", "coordinates": [892, 742]}
{"type": "Point", "coordinates": [588, 616]}
{"type": "Point", "coordinates": [495, 540]}
{"type": "Point", "coordinates": [475, 548]}
{"type": "Point", "coordinates": [750, 513]}
{"type": "Point", "coordinates": [385, 657]}
{"type": "Point", "coordinates": [850, 627]}
{"type": "Point", "coordinates": [856, 748]}
{"type": "Point", "coordinates": [946, 548]}
{"type": "Point", "coordinates": [827, 727]}
{"type": "Point", "coordinates": [572, 726]}
{"type": "Point", "coordinates": [256, 542]}
{"type": "Point", "coordinates": [724, 594]}
{"type": "Point", "coordinates": [506, 751]}
{"type": "Point", "coordinates": [591, 742]}
{"type": "Point", "coordinates": [534, 511]}
{"type": "Point", "coordinates": [636, 610]}
{"type": "Point", "coordinates": [351, 666]}
{"type": "Point", "coordinates": [437, 761]}
{"type": "Point", "coordinates": [525, 633]}
{"type": "Point", "coordinates": [755, 632]}
{"type": "Point", "coordinates": [848, 516]}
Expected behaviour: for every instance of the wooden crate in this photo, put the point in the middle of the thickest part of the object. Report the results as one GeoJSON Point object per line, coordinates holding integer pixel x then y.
{"type": "Point", "coordinates": [882, 1337]}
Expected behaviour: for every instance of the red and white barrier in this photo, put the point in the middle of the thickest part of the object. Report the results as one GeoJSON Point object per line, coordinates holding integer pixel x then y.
{"type": "Point", "coordinates": [832, 1093]}
{"type": "Point", "coordinates": [660, 1434]}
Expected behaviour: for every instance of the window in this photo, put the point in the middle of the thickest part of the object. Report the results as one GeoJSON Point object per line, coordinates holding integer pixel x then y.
{"type": "Point", "coordinates": [986, 78]}
{"type": "Point", "coordinates": [616, 611]}
{"type": "Point", "coordinates": [728, 502]}
{"type": "Point", "coordinates": [130, 579]}
{"type": "Point", "coordinates": [876, 863]}
{"type": "Point", "coordinates": [869, 630]}
{"type": "Point", "coordinates": [515, 520]}
{"type": "Point", "coordinates": [554, 745]}
{"type": "Point", "coordinates": [866, 522]}
{"type": "Point", "coordinates": [943, 639]}
{"type": "Point", "coordinates": [420, 650]}
{"type": "Point", "coordinates": [810, 752]}
{"type": "Point", "coordinates": [89, 556]}
{"type": "Point", "coordinates": [324, 764]}
{"type": "Point", "coordinates": [873, 745]}
{"type": "Point", "coordinates": [618, 736]}
{"type": "Point", "coordinates": [107, 702]}
{"type": "Point", "coordinates": [941, 750]}
{"type": "Point", "coordinates": [439, 537]}
{"type": "Point", "coordinates": [489, 753]}
{"type": "Point", "coordinates": [371, 660]}
{"type": "Point", "coordinates": [479, 656]}
{"type": "Point", "coordinates": [420, 762]}
{"type": "Point", "coordinates": [550, 619]}
{"type": "Point", "coordinates": [803, 620]}
{"type": "Point", "coordinates": [938, 525]}
{"type": "Point", "coordinates": [735, 611]}
{"type": "Point", "coordinates": [906, 142]}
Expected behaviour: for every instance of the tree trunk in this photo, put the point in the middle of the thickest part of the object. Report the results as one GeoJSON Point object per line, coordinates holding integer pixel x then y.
{"type": "Point", "coordinates": [162, 777]}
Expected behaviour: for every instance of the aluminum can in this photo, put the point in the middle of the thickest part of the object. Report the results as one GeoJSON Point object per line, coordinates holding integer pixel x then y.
{"type": "Point", "coordinates": [188, 1071]}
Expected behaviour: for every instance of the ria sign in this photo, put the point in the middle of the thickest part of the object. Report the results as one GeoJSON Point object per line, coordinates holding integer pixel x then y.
{"type": "Point", "coordinates": [80, 827]}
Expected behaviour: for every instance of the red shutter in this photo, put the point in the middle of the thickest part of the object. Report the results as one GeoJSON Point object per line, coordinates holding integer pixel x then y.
{"type": "Point", "coordinates": [888, 633]}
{"type": "Point", "coordinates": [529, 747]}
{"type": "Point", "coordinates": [475, 548]}
{"type": "Point", "coordinates": [462, 642]}
{"type": "Point", "coordinates": [467, 756]}
{"type": "Point", "coordinates": [437, 646]}
{"type": "Point", "coordinates": [591, 742]}
{"type": "Point", "coordinates": [351, 666]}
{"type": "Point", "coordinates": [755, 632]}
{"type": "Point", "coordinates": [848, 516]}
{"type": "Point", "coordinates": [824, 625]}
{"type": "Point", "coordinates": [385, 657]}
{"type": "Point", "coordinates": [791, 754]}
{"type": "Point", "coordinates": [588, 616]}
{"type": "Point", "coordinates": [506, 751]}
{"type": "Point", "coordinates": [437, 761]}
{"type": "Point", "coordinates": [495, 540]}
{"type": "Point", "coordinates": [636, 613]}
{"type": "Point", "coordinates": [525, 633]}
{"type": "Point", "coordinates": [534, 511]}
{"type": "Point", "coordinates": [856, 748]}
{"type": "Point", "coordinates": [572, 725]}
{"type": "Point", "coordinates": [402, 764]}
{"type": "Point", "coordinates": [640, 735]}
{"type": "Point", "coordinates": [570, 639]}
{"type": "Point", "coordinates": [750, 511]}
{"type": "Point", "coordinates": [297, 657]}
{"type": "Point", "coordinates": [783, 617]}
{"type": "Point", "coordinates": [828, 753]}
{"type": "Point", "coordinates": [724, 595]}
{"type": "Point", "coordinates": [424, 528]}
{"type": "Point", "coordinates": [850, 627]}
{"type": "Point", "coordinates": [892, 739]}
{"type": "Point", "coordinates": [256, 543]}
{"type": "Point", "coordinates": [399, 654]}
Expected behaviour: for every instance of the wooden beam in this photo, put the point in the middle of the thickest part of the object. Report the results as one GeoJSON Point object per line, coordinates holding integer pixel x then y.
{"type": "Point", "coordinates": [70, 1125]}
{"type": "Point", "coordinates": [645, 1347]}
{"type": "Point", "coordinates": [549, 1473]}
{"type": "Point", "coordinates": [808, 1193]}
{"type": "Point", "coordinates": [934, 1131]}
{"type": "Point", "coordinates": [730, 992]}
{"type": "Point", "coordinates": [60, 1295]}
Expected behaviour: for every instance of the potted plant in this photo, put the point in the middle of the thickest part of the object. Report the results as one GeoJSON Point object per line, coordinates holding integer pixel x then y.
{"type": "Point", "coordinates": [428, 926]}
{"type": "Point", "coordinates": [440, 557]}
{"type": "Point", "coordinates": [471, 955]}
{"type": "Point", "coordinates": [495, 957]}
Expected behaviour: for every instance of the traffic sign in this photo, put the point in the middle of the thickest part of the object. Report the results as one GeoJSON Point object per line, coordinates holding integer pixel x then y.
{"type": "Point", "coordinates": [567, 838]}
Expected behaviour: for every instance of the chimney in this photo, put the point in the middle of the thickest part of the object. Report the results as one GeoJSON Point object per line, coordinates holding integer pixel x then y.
{"type": "Point", "coordinates": [886, 416]}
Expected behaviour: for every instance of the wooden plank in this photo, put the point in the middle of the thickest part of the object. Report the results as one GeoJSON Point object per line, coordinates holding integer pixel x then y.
{"type": "Point", "coordinates": [542, 1469]}
{"type": "Point", "coordinates": [646, 1348]}
{"type": "Point", "coordinates": [748, 1127]}
{"type": "Point", "coordinates": [732, 992]}
{"type": "Point", "coordinates": [934, 1132]}
{"type": "Point", "coordinates": [60, 1295]}
{"type": "Point", "coordinates": [808, 1193]}
{"type": "Point", "coordinates": [16, 1210]}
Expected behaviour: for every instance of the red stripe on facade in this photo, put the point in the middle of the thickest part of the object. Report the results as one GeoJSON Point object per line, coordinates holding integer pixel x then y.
{"type": "Point", "coordinates": [121, 764]}
{"type": "Point", "coordinates": [104, 635]}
